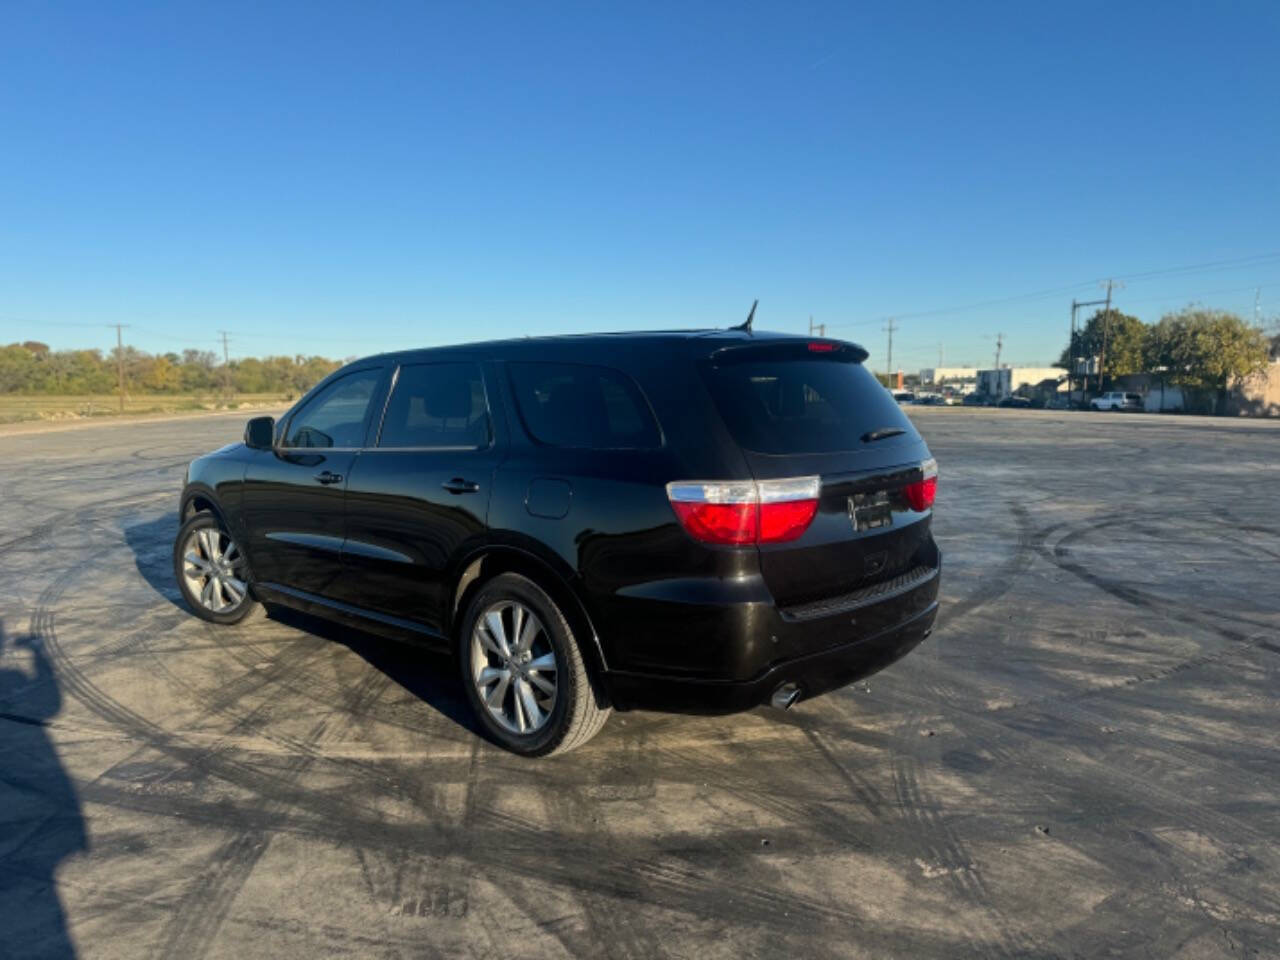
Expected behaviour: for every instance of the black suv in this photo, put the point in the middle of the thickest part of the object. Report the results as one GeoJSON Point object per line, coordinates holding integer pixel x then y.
{"type": "Point", "coordinates": [694, 521]}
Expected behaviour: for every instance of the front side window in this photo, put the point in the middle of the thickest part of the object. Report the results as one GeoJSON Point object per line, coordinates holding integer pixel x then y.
{"type": "Point", "coordinates": [335, 417]}
{"type": "Point", "coordinates": [583, 407]}
{"type": "Point", "coordinates": [437, 405]}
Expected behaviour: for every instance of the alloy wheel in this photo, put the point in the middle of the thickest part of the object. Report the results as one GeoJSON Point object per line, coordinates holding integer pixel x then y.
{"type": "Point", "coordinates": [214, 570]}
{"type": "Point", "coordinates": [513, 667]}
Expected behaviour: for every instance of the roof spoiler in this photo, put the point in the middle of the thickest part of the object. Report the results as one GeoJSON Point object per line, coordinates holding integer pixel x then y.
{"type": "Point", "coordinates": [798, 348]}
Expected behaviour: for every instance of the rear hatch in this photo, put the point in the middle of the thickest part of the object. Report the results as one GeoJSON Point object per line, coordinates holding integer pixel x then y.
{"type": "Point", "coordinates": [802, 408]}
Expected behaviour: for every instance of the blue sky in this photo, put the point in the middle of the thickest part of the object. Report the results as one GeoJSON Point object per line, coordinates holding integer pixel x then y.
{"type": "Point", "coordinates": [346, 178]}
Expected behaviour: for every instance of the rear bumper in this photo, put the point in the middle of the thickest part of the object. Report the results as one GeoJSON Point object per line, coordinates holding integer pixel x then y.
{"type": "Point", "coordinates": [814, 673]}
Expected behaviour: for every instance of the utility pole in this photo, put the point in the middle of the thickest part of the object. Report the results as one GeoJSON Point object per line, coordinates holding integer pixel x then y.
{"type": "Point", "coordinates": [1084, 380]}
{"type": "Point", "coordinates": [226, 367]}
{"type": "Point", "coordinates": [888, 363]}
{"type": "Point", "coordinates": [1257, 307]}
{"type": "Point", "coordinates": [939, 353]}
{"type": "Point", "coordinates": [999, 347]}
{"type": "Point", "coordinates": [1106, 330]}
{"type": "Point", "coordinates": [120, 361]}
{"type": "Point", "coordinates": [820, 327]}
{"type": "Point", "coordinates": [1071, 352]}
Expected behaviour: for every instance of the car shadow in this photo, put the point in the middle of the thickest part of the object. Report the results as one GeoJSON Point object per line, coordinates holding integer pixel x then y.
{"type": "Point", "coordinates": [41, 823]}
{"type": "Point", "coordinates": [430, 676]}
{"type": "Point", "coordinates": [151, 543]}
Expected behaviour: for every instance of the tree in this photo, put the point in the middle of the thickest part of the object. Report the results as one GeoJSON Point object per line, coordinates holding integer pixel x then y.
{"type": "Point", "coordinates": [1207, 349]}
{"type": "Point", "coordinates": [1124, 337]}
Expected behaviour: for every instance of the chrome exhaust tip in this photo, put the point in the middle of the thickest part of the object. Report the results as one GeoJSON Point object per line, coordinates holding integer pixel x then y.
{"type": "Point", "coordinates": [785, 696]}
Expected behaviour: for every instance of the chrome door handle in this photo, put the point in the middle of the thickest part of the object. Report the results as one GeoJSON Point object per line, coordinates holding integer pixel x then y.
{"type": "Point", "coordinates": [458, 485]}
{"type": "Point", "coordinates": [328, 477]}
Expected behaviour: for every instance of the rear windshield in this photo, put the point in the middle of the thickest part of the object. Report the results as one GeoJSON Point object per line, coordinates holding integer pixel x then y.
{"type": "Point", "coordinates": [802, 406]}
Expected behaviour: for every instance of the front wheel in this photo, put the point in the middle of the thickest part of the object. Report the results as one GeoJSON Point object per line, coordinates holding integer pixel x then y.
{"type": "Point", "coordinates": [212, 571]}
{"type": "Point", "coordinates": [524, 675]}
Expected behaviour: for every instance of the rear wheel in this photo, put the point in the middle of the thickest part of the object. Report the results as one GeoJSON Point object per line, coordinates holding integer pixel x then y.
{"type": "Point", "coordinates": [523, 672]}
{"type": "Point", "coordinates": [212, 571]}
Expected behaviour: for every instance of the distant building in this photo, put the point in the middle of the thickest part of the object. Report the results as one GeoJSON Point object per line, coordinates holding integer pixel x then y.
{"type": "Point", "coordinates": [940, 375]}
{"type": "Point", "coordinates": [1004, 381]}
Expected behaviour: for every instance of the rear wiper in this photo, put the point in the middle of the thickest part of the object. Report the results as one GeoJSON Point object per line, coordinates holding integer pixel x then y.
{"type": "Point", "coordinates": [882, 434]}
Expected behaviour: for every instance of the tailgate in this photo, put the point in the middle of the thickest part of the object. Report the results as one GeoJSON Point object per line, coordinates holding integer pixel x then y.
{"type": "Point", "coordinates": [803, 408]}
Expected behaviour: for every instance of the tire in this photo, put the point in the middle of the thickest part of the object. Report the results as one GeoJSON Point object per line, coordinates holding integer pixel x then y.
{"type": "Point", "coordinates": [499, 650]}
{"type": "Point", "coordinates": [200, 555]}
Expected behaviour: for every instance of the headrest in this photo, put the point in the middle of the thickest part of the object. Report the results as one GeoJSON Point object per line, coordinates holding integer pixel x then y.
{"type": "Point", "coordinates": [448, 397]}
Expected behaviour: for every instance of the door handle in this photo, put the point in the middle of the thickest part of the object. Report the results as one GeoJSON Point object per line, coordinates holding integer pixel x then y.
{"type": "Point", "coordinates": [458, 485]}
{"type": "Point", "coordinates": [328, 477]}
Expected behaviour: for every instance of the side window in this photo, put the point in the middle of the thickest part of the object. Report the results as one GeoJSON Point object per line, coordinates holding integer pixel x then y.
{"type": "Point", "coordinates": [437, 405]}
{"type": "Point", "coordinates": [580, 406]}
{"type": "Point", "coordinates": [335, 416]}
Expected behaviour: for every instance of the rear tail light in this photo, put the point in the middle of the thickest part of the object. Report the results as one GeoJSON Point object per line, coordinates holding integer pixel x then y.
{"type": "Point", "coordinates": [738, 512]}
{"type": "Point", "coordinates": [919, 495]}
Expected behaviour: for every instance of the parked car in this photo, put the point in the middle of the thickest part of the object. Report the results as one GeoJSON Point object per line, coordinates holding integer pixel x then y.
{"type": "Point", "coordinates": [693, 522]}
{"type": "Point", "coordinates": [931, 400]}
{"type": "Point", "coordinates": [1020, 403]}
{"type": "Point", "coordinates": [1116, 401]}
{"type": "Point", "coordinates": [904, 396]}
{"type": "Point", "coordinates": [976, 400]}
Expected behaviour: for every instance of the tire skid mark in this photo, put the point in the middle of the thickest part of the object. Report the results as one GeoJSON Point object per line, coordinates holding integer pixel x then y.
{"type": "Point", "coordinates": [203, 908]}
{"type": "Point", "coordinates": [618, 866]}
{"type": "Point", "coordinates": [249, 777]}
{"type": "Point", "coordinates": [780, 802]}
{"type": "Point", "coordinates": [995, 729]}
{"type": "Point", "coordinates": [1060, 554]}
{"type": "Point", "coordinates": [604, 922]}
{"type": "Point", "coordinates": [990, 931]}
{"type": "Point", "coordinates": [999, 581]}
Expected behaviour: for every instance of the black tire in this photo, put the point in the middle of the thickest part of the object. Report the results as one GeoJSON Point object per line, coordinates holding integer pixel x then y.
{"type": "Point", "coordinates": [575, 716]}
{"type": "Point", "coordinates": [232, 613]}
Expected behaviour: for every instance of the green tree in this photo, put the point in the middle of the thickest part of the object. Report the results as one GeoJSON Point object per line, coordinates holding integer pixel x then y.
{"type": "Point", "coordinates": [1124, 336]}
{"type": "Point", "coordinates": [1207, 349]}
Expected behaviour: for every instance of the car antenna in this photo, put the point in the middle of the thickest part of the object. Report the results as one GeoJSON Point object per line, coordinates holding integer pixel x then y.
{"type": "Point", "coordinates": [746, 324]}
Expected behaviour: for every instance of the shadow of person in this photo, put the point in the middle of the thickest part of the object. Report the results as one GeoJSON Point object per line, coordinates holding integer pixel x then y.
{"type": "Point", "coordinates": [40, 819]}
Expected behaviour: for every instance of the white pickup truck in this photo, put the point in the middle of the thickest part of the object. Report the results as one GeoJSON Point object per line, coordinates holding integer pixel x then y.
{"type": "Point", "coordinates": [1116, 401]}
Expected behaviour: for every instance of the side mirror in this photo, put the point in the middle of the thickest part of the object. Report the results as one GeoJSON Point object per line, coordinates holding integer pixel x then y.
{"type": "Point", "coordinates": [260, 433]}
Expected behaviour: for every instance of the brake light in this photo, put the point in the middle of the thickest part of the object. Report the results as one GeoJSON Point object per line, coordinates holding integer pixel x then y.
{"type": "Point", "coordinates": [817, 346]}
{"type": "Point", "coordinates": [920, 495]}
{"type": "Point", "coordinates": [740, 512]}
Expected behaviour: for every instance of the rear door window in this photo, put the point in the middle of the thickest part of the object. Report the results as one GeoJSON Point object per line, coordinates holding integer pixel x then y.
{"type": "Point", "coordinates": [794, 405]}
{"type": "Point", "coordinates": [437, 405]}
{"type": "Point", "coordinates": [583, 407]}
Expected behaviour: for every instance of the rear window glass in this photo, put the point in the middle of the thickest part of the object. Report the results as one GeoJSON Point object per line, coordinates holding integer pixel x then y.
{"type": "Point", "coordinates": [801, 406]}
{"type": "Point", "coordinates": [581, 406]}
{"type": "Point", "coordinates": [437, 405]}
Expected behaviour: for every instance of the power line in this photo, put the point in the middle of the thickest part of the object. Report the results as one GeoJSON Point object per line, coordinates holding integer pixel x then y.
{"type": "Point", "coordinates": [1206, 267]}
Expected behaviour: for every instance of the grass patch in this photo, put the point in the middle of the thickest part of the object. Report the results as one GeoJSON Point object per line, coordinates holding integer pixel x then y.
{"type": "Point", "coordinates": [15, 408]}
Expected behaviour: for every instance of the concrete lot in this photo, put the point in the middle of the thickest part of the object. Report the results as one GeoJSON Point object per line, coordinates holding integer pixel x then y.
{"type": "Point", "coordinates": [1083, 761]}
